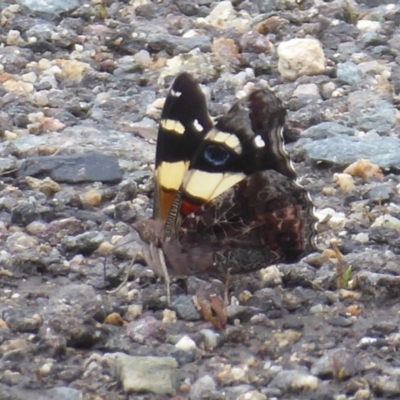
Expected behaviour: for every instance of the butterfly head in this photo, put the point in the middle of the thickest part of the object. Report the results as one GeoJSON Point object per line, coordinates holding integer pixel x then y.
{"type": "Point", "coordinates": [150, 231]}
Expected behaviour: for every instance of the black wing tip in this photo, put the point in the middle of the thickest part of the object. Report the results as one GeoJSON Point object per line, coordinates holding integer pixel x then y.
{"type": "Point", "coordinates": [183, 81]}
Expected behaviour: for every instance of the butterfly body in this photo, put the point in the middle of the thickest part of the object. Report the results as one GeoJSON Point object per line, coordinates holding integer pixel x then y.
{"type": "Point", "coordinates": [226, 195]}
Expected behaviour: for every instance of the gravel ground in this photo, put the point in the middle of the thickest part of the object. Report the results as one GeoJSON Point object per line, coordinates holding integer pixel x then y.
{"type": "Point", "coordinates": [82, 84]}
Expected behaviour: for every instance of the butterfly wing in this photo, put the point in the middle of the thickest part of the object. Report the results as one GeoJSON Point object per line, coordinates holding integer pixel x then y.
{"type": "Point", "coordinates": [227, 192]}
{"type": "Point", "coordinates": [240, 205]}
{"type": "Point", "coordinates": [184, 123]}
{"type": "Point", "coordinates": [246, 140]}
{"type": "Point", "coordinates": [264, 219]}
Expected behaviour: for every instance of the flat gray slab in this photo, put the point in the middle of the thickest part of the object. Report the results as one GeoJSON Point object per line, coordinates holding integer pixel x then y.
{"type": "Point", "coordinates": [74, 168]}
{"type": "Point", "coordinates": [344, 150]}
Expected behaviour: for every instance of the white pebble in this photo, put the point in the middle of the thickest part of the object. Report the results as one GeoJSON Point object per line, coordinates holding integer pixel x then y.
{"type": "Point", "coordinates": [186, 344]}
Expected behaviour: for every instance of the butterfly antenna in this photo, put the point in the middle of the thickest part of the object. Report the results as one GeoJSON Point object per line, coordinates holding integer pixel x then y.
{"type": "Point", "coordinates": [123, 283]}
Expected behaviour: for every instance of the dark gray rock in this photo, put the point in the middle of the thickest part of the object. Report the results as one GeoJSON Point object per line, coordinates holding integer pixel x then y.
{"type": "Point", "coordinates": [183, 357]}
{"type": "Point", "coordinates": [185, 308]}
{"type": "Point", "coordinates": [25, 212]}
{"type": "Point", "coordinates": [146, 329]}
{"type": "Point", "coordinates": [177, 45]}
{"type": "Point", "coordinates": [85, 243]}
{"type": "Point", "coordinates": [18, 321]}
{"type": "Point", "coordinates": [125, 212]}
{"type": "Point", "coordinates": [75, 168]}
{"type": "Point", "coordinates": [186, 7]}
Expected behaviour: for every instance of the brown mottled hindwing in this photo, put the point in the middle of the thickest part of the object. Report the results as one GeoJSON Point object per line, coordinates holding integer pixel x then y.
{"type": "Point", "coordinates": [265, 219]}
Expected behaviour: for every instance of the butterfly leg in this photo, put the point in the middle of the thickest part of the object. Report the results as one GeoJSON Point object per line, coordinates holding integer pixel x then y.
{"type": "Point", "coordinates": [155, 260]}
{"type": "Point", "coordinates": [166, 275]}
{"type": "Point", "coordinates": [226, 291]}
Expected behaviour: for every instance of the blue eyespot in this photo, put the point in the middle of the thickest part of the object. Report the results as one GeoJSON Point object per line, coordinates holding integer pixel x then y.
{"type": "Point", "coordinates": [216, 155]}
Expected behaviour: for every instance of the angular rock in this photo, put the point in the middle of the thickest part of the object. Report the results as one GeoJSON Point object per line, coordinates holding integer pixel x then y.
{"type": "Point", "coordinates": [327, 129]}
{"type": "Point", "coordinates": [146, 374]}
{"type": "Point", "coordinates": [341, 151]}
{"type": "Point", "coordinates": [338, 363]}
{"type": "Point", "coordinates": [299, 57]}
{"type": "Point", "coordinates": [75, 168]}
{"type": "Point", "coordinates": [49, 9]}
{"type": "Point", "coordinates": [295, 381]}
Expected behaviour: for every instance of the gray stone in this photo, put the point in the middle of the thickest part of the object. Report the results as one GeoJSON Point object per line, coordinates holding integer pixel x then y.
{"type": "Point", "coordinates": [210, 339]}
{"type": "Point", "coordinates": [49, 8]}
{"type": "Point", "coordinates": [24, 144]}
{"type": "Point", "coordinates": [18, 321]}
{"type": "Point", "coordinates": [349, 73]}
{"type": "Point", "coordinates": [388, 385]}
{"type": "Point", "coordinates": [266, 5]}
{"type": "Point", "coordinates": [42, 32]}
{"type": "Point", "coordinates": [75, 168]}
{"type": "Point", "coordinates": [59, 393]}
{"type": "Point", "coordinates": [145, 329]}
{"type": "Point", "coordinates": [379, 115]}
{"type": "Point", "coordinates": [188, 8]}
{"type": "Point", "coordinates": [203, 385]}
{"type": "Point", "coordinates": [337, 363]}
{"type": "Point", "coordinates": [176, 45]}
{"type": "Point", "coordinates": [185, 308]}
{"type": "Point", "coordinates": [380, 194]}
{"type": "Point", "coordinates": [293, 380]}
{"type": "Point", "coordinates": [379, 285]}
{"type": "Point", "coordinates": [344, 150]}
{"type": "Point", "coordinates": [146, 374]}
{"type": "Point", "coordinates": [62, 393]}
{"type": "Point", "coordinates": [327, 129]}
{"type": "Point", "coordinates": [85, 243]}
{"type": "Point", "coordinates": [7, 165]}
{"type": "Point", "coordinates": [252, 395]}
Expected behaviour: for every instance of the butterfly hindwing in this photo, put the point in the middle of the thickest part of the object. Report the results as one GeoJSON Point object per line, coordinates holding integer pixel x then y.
{"type": "Point", "coordinates": [184, 123]}
{"type": "Point", "coordinates": [264, 219]}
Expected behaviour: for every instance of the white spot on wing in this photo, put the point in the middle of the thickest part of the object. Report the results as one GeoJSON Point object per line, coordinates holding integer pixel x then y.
{"type": "Point", "coordinates": [259, 142]}
{"type": "Point", "coordinates": [175, 93]}
{"type": "Point", "coordinates": [197, 126]}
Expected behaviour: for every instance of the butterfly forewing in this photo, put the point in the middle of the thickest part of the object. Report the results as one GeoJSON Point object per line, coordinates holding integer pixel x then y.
{"type": "Point", "coordinates": [184, 123]}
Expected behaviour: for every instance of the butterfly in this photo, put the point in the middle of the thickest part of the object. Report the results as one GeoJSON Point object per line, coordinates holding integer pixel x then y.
{"type": "Point", "coordinates": [226, 195]}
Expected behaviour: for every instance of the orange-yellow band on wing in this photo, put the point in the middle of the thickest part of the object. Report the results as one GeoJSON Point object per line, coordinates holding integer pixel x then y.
{"type": "Point", "coordinates": [168, 177]}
